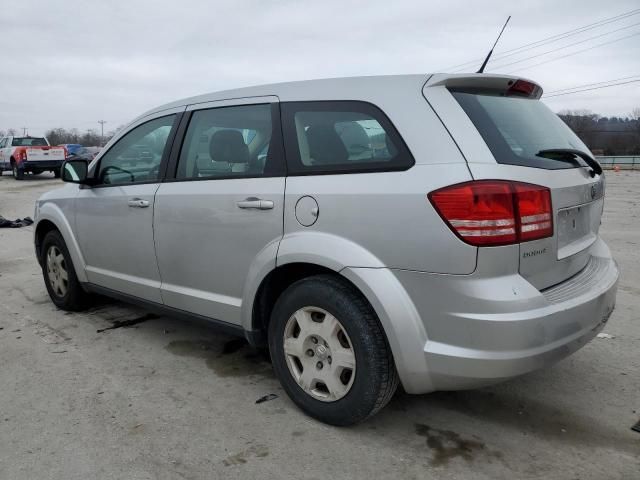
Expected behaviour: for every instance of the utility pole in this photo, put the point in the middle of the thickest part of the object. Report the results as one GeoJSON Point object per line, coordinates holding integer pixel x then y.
{"type": "Point", "coordinates": [24, 131]}
{"type": "Point", "coordinates": [102, 122]}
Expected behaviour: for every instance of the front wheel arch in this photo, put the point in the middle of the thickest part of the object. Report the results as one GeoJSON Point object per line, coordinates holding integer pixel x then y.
{"type": "Point", "coordinates": [43, 227]}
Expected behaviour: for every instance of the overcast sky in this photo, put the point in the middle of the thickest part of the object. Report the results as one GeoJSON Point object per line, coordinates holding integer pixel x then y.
{"type": "Point", "coordinates": [70, 63]}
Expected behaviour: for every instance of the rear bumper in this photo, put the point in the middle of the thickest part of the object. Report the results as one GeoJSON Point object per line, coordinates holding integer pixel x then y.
{"type": "Point", "coordinates": [40, 164]}
{"type": "Point", "coordinates": [548, 334]}
{"type": "Point", "coordinates": [482, 330]}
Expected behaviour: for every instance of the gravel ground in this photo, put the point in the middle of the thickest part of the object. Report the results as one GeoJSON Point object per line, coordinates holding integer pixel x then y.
{"type": "Point", "coordinates": [161, 399]}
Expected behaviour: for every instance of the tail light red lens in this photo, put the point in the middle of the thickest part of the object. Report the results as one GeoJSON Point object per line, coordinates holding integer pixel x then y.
{"type": "Point", "coordinates": [524, 88]}
{"type": "Point", "coordinates": [495, 212]}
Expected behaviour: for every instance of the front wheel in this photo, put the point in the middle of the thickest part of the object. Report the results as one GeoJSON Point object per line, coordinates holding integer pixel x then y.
{"type": "Point", "coordinates": [60, 276]}
{"type": "Point", "coordinates": [330, 352]}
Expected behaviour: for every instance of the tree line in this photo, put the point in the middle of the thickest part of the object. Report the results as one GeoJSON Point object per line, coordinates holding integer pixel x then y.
{"type": "Point", "coordinates": [606, 135]}
{"type": "Point", "coordinates": [58, 136]}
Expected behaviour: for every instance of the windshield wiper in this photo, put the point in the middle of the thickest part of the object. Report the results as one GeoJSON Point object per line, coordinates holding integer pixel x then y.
{"type": "Point", "coordinates": [569, 153]}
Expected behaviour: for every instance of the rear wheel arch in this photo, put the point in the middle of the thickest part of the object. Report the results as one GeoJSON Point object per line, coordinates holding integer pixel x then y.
{"type": "Point", "coordinates": [273, 285]}
{"type": "Point", "coordinates": [277, 281]}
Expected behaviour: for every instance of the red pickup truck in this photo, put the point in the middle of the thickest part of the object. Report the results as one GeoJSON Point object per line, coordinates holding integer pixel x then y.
{"type": "Point", "coordinates": [30, 154]}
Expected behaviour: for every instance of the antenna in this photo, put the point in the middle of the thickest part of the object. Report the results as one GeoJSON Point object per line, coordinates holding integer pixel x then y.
{"type": "Point", "coordinates": [484, 64]}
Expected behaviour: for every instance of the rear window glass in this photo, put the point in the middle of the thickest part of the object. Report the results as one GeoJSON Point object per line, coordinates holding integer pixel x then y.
{"type": "Point", "coordinates": [341, 137]}
{"type": "Point", "coordinates": [28, 142]}
{"type": "Point", "coordinates": [516, 129]}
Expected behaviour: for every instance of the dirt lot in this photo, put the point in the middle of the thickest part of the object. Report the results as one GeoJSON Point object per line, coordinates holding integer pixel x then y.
{"type": "Point", "coordinates": [83, 397]}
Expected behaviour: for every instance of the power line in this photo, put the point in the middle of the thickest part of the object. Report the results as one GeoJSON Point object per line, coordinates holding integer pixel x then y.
{"type": "Point", "coordinates": [553, 38]}
{"type": "Point", "coordinates": [591, 84]}
{"type": "Point", "coordinates": [565, 46]}
{"type": "Point", "coordinates": [562, 37]}
{"type": "Point", "coordinates": [593, 88]}
{"type": "Point", "coordinates": [573, 53]}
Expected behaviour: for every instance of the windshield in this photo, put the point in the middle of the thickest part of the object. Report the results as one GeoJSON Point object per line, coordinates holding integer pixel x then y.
{"type": "Point", "coordinates": [517, 129]}
{"type": "Point", "coordinates": [29, 142]}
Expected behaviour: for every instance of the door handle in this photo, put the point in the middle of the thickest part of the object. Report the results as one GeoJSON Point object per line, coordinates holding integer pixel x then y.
{"type": "Point", "coordinates": [138, 203]}
{"type": "Point", "coordinates": [255, 203]}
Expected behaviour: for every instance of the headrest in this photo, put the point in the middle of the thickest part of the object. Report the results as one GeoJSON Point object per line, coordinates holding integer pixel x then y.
{"type": "Point", "coordinates": [325, 145]}
{"type": "Point", "coordinates": [228, 146]}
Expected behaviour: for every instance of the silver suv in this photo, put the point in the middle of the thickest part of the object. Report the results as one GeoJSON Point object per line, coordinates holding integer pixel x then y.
{"type": "Point", "coordinates": [437, 231]}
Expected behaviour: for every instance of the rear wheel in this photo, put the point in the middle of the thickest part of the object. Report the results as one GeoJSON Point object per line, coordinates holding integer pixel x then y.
{"type": "Point", "coordinates": [18, 173]}
{"type": "Point", "coordinates": [56, 173]}
{"type": "Point", "coordinates": [329, 351]}
{"type": "Point", "coordinates": [60, 276]}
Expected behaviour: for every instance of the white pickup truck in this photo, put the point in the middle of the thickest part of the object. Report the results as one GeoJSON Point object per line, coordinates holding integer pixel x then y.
{"type": "Point", "coordinates": [30, 154]}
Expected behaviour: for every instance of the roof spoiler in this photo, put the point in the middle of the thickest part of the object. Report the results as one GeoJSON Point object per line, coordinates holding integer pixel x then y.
{"type": "Point", "coordinates": [482, 83]}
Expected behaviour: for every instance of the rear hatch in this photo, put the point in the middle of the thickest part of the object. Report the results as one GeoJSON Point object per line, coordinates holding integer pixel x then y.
{"type": "Point", "coordinates": [506, 133]}
{"type": "Point", "coordinates": [37, 154]}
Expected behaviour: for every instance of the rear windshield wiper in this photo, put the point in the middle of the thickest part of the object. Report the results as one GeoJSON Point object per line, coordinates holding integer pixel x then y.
{"type": "Point", "coordinates": [569, 153]}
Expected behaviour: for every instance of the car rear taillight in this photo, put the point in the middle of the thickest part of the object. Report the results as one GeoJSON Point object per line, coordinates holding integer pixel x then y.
{"type": "Point", "coordinates": [495, 212]}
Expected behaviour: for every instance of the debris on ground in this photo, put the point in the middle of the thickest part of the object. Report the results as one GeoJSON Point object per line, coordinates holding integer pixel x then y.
{"type": "Point", "coordinates": [20, 222]}
{"type": "Point", "coordinates": [636, 427]}
{"type": "Point", "coordinates": [129, 323]}
{"type": "Point", "coordinates": [605, 335]}
{"type": "Point", "coordinates": [266, 398]}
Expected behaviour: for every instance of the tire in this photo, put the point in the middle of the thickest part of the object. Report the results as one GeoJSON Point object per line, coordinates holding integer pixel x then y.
{"type": "Point", "coordinates": [56, 173]}
{"type": "Point", "coordinates": [18, 173]}
{"type": "Point", "coordinates": [350, 395]}
{"type": "Point", "coordinates": [66, 294]}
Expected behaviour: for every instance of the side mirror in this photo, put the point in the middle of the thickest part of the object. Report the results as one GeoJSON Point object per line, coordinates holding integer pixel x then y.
{"type": "Point", "coordinates": [75, 171]}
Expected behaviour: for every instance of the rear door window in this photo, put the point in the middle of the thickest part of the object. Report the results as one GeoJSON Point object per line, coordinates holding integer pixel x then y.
{"type": "Point", "coordinates": [341, 137]}
{"type": "Point", "coordinates": [517, 129]}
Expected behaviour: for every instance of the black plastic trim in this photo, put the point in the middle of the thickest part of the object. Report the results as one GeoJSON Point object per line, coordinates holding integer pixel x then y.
{"type": "Point", "coordinates": [254, 337]}
{"type": "Point", "coordinates": [176, 147]}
